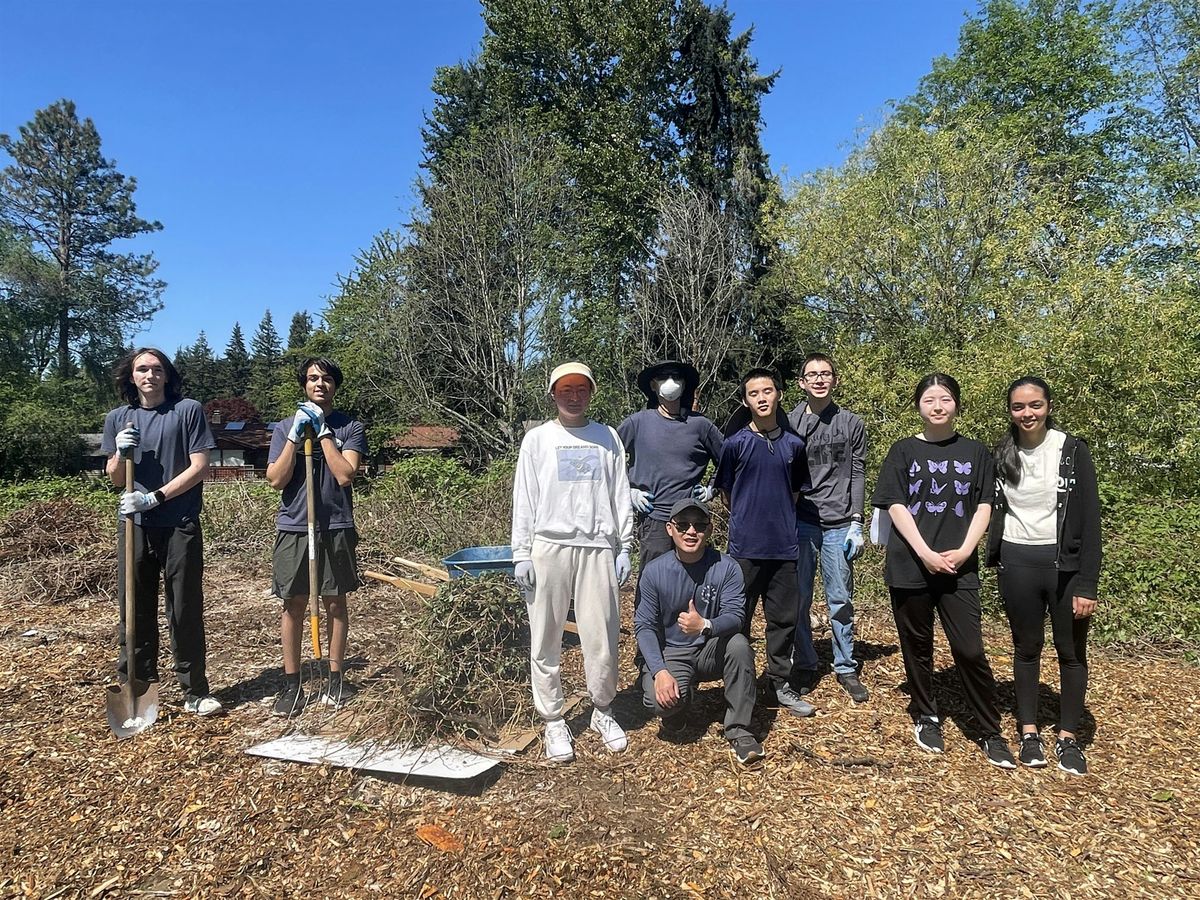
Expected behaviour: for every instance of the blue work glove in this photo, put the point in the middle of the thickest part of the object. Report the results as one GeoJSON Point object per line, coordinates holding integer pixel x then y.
{"type": "Point", "coordinates": [643, 501]}
{"type": "Point", "coordinates": [623, 566]}
{"type": "Point", "coordinates": [137, 502]}
{"type": "Point", "coordinates": [307, 413]}
{"type": "Point", "coordinates": [703, 492]}
{"type": "Point", "coordinates": [128, 439]}
{"type": "Point", "coordinates": [523, 572]}
{"type": "Point", "coordinates": [852, 547]}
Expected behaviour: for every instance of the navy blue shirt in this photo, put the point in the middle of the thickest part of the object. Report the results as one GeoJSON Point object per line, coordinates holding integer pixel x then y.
{"type": "Point", "coordinates": [714, 583]}
{"type": "Point", "coordinates": [761, 476]}
{"type": "Point", "coordinates": [667, 457]}
{"type": "Point", "coordinates": [335, 504]}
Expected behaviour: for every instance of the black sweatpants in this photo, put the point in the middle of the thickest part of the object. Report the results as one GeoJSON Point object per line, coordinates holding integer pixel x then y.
{"type": "Point", "coordinates": [653, 542]}
{"type": "Point", "coordinates": [961, 617]}
{"type": "Point", "coordinates": [1031, 585]}
{"type": "Point", "coordinates": [177, 555]}
{"type": "Point", "coordinates": [727, 658]}
{"type": "Point", "coordinates": [774, 580]}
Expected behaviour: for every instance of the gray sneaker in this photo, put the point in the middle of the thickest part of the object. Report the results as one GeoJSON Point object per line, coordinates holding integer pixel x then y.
{"type": "Point", "coordinates": [203, 706]}
{"type": "Point", "coordinates": [787, 698]}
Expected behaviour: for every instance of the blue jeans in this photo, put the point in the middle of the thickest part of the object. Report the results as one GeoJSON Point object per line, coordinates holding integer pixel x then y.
{"type": "Point", "coordinates": [838, 577]}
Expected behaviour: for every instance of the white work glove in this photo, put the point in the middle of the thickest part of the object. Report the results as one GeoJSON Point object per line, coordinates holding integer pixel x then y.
{"type": "Point", "coordinates": [643, 501]}
{"type": "Point", "coordinates": [623, 566]}
{"type": "Point", "coordinates": [852, 547]}
{"type": "Point", "coordinates": [523, 572]}
{"type": "Point", "coordinates": [128, 439]}
{"type": "Point", "coordinates": [307, 413]}
{"type": "Point", "coordinates": [703, 492]}
{"type": "Point", "coordinates": [137, 502]}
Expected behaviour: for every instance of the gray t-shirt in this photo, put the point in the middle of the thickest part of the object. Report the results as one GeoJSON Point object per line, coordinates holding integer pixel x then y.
{"type": "Point", "coordinates": [667, 457]}
{"type": "Point", "coordinates": [170, 433]}
{"type": "Point", "coordinates": [335, 504]}
{"type": "Point", "coordinates": [836, 445]}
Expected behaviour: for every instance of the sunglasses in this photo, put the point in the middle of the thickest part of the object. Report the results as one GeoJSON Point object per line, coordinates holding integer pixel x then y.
{"type": "Point", "coordinates": [684, 527]}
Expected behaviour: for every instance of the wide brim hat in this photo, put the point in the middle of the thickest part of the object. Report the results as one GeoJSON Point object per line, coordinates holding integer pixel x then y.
{"type": "Point", "coordinates": [691, 381]}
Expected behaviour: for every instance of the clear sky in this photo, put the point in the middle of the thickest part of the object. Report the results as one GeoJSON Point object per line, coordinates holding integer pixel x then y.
{"type": "Point", "coordinates": [273, 139]}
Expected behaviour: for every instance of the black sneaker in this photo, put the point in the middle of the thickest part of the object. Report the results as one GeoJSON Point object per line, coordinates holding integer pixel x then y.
{"type": "Point", "coordinates": [673, 727]}
{"type": "Point", "coordinates": [928, 732]}
{"type": "Point", "coordinates": [1070, 756]}
{"type": "Point", "coordinates": [852, 686]}
{"type": "Point", "coordinates": [291, 700]}
{"type": "Point", "coordinates": [787, 698]}
{"type": "Point", "coordinates": [1033, 751]}
{"type": "Point", "coordinates": [338, 692]}
{"type": "Point", "coordinates": [995, 748]}
{"type": "Point", "coordinates": [746, 749]}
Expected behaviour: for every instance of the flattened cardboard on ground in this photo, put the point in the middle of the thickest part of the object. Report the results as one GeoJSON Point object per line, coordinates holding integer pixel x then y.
{"type": "Point", "coordinates": [430, 761]}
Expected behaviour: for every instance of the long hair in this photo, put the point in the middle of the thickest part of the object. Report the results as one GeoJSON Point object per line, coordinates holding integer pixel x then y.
{"type": "Point", "coordinates": [123, 374]}
{"type": "Point", "coordinates": [1006, 454]}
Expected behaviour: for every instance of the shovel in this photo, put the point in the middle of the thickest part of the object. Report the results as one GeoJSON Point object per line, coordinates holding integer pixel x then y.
{"type": "Point", "coordinates": [314, 604]}
{"type": "Point", "coordinates": [132, 706]}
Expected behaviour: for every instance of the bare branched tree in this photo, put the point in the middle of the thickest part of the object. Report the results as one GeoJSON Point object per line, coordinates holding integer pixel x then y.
{"type": "Point", "coordinates": [690, 297]}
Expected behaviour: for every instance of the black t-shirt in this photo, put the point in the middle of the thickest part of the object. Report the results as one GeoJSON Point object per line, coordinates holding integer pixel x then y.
{"type": "Point", "coordinates": [942, 484]}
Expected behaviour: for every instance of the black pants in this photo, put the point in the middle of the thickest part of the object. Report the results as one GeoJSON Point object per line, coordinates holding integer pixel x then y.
{"type": "Point", "coordinates": [1031, 585]}
{"type": "Point", "coordinates": [653, 542]}
{"type": "Point", "coordinates": [961, 620]}
{"type": "Point", "coordinates": [177, 555]}
{"type": "Point", "coordinates": [729, 659]}
{"type": "Point", "coordinates": [774, 580]}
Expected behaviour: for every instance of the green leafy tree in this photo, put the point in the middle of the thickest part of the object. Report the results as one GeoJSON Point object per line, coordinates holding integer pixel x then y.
{"type": "Point", "coordinates": [266, 359]}
{"type": "Point", "coordinates": [68, 204]}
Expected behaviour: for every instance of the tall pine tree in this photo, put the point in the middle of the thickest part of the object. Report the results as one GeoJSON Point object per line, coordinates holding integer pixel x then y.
{"type": "Point", "coordinates": [266, 357]}
{"type": "Point", "coordinates": [235, 365]}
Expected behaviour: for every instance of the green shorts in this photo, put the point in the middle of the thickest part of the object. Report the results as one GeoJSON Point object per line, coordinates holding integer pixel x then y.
{"type": "Point", "coordinates": [337, 570]}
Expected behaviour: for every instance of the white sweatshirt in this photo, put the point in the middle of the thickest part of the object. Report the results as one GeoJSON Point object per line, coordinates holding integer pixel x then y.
{"type": "Point", "coordinates": [571, 488]}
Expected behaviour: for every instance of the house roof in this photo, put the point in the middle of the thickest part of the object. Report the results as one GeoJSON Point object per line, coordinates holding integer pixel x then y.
{"type": "Point", "coordinates": [242, 435]}
{"type": "Point", "coordinates": [426, 437]}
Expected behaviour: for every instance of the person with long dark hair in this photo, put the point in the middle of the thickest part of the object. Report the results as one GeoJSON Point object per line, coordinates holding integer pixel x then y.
{"type": "Point", "coordinates": [1046, 542]}
{"type": "Point", "coordinates": [937, 488]}
{"type": "Point", "coordinates": [168, 438]}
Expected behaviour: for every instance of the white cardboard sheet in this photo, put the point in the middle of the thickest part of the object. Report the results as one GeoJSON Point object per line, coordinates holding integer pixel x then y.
{"type": "Point", "coordinates": [432, 761]}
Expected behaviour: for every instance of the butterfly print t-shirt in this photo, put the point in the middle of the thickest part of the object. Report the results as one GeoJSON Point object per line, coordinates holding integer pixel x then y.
{"type": "Point", "coordinates": [942, 484]}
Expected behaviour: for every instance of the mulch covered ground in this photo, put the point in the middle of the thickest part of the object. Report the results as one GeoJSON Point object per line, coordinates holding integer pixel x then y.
{"type": "Point", "coordinates": [844, 805]}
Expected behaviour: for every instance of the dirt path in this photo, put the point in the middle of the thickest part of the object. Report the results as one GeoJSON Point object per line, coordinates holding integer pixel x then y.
{"type": "Point", "coordinates": [844, 805]}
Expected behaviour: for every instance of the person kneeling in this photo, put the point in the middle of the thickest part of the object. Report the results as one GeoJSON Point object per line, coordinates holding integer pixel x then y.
{"type": "Point", "coordinates": [689, 629]}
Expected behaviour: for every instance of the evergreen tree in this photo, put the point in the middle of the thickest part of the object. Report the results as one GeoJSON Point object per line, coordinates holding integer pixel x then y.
{"type": "Point", "coordinates": [266, 357]}
{"type": "Point", "coordinates": [199, 370]}
{"type": "Point", "coordinates": [300, 331]}
{"type": "Point", "coordinates": [67, 204]}
{"type": "Point", "coordinates": [235, 366]}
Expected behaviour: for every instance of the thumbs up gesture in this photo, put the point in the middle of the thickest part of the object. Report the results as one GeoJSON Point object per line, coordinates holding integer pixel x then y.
{"type": "Point", "coordinates": [691, 622]}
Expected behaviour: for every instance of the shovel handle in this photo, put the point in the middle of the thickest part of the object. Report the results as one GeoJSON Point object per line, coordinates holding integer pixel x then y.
{"type": "Point", "coordinates": [314, 614]}
{"type": "Point", "coordinates": [130, 588]}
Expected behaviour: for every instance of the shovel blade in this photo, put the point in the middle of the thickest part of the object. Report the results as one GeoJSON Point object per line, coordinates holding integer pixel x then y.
{"type": "Point", "coordinates": [132, 707]}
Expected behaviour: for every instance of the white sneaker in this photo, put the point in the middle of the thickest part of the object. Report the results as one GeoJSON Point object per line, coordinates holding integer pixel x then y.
{"type": "Point", "coordinates": [557, 739]}
{"type": "Point", "coordinates": [203, 706]}
{"type": "Point", "coordinates": [608, 729]}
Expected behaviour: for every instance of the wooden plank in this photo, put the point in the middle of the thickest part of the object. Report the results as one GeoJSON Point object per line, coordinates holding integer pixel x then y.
{"type": "Point", "coordinates": [431, 571]}
{"type": "Point", "coordinates": [417, 587]}
{"type": "Point", "coordinates": [521, 741]}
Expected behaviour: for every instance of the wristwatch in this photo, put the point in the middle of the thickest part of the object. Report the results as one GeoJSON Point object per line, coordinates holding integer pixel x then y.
{"type": "Point", "coordinates": [160, 497]}
{"type": "Point", "coordinates": [706, 631]}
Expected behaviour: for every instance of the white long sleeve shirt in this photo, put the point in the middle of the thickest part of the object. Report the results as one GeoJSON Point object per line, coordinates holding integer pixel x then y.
{"type": "Point", "coordinates": [571, 488]}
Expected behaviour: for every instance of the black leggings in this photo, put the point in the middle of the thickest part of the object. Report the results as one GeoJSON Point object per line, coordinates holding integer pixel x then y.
{"type": "Point", "coordinates": [1030, 584]}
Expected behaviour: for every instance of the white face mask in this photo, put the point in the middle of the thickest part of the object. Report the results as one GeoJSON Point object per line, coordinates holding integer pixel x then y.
{"type": "Point", "coordinates": [670, 389]}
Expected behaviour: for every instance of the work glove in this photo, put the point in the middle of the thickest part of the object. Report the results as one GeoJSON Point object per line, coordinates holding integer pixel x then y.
{"type": "Point", "coordinates": [852, 547]}
{"type": "Point", "coordinates": [307, 413]}
{"type": "Point", "coordinates": [643, 501]}
{"type": "Point", "coordinates": [137, 502]}
{"type": "Point", "coordinates": [703, 492]}
{"type": "Point", "coordinates": [523, 572]}
{"type": "Point", "coordinates": [623, 567]}
{"type": "Point", "coordinates": [128, 439]}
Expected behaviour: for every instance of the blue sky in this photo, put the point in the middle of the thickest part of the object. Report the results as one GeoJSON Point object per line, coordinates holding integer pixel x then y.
{"type": "Point", "coordinates": [274, 139]}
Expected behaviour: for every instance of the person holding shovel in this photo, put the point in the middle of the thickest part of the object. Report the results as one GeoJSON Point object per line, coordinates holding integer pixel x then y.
{"type": "Point", "coordinates": [168, 438]}
{"type": "Point", "coordinates": [572, 527]}
{"type": "Point", "coordinates": [338, 447]}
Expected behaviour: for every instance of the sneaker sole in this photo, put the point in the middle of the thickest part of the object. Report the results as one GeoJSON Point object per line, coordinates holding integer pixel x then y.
{"type": "Point", "coordinates": [1036, 764]}
{"type": "Point", "coordinates": [749, 758]}
{"type": "Point", "coordinates": [926, 747]}
{"type": "Point", "coordinates": [802, 712]}
{"type": "Point", "coordinates": [1001, 763]}
{"type": "Point", "coordinates": [561, 759]}
{"type": "Point", "coordinates": [1071, 771]}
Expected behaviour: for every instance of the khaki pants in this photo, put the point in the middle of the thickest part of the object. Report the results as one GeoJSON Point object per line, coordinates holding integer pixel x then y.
{"type": "Point", "coordinates": [586, 575]}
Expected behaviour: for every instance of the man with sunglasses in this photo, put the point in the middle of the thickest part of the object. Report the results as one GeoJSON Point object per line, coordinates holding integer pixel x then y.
{"type": "Point", "coordinates": [689, 629]}
{"type": "Point", "coordinates": [829, 521]}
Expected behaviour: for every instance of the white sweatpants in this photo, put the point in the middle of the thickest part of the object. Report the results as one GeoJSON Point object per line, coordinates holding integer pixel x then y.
{"type": "Point", "coordinates": [587, 575]}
